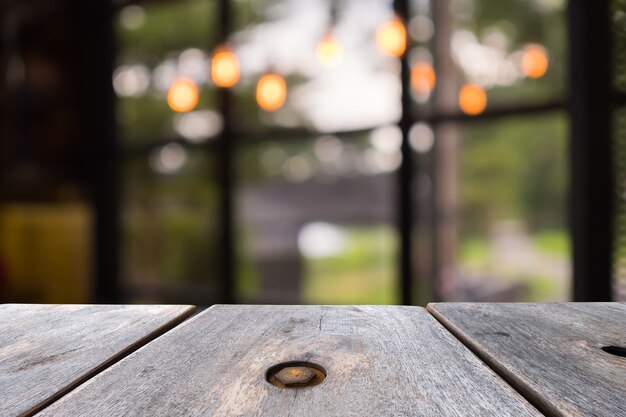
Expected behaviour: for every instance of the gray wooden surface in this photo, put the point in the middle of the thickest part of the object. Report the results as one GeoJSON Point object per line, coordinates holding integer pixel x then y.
{"type": "Point", "coordinates": [550, 352]}
{"type": "Point", "coordinates": [381, 361]}
{"type": "Point", "coordinates": [46, 350]}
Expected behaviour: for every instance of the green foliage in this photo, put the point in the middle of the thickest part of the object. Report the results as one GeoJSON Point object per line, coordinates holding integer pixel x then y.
{"type": "Point", "coordinates": [170, 26]}
{"type": "Point", "coordinates": [510, 169]}
{"type": "Point", "coordinates": [474, 252]}
{"type": "Point", "coordinates": [514, 169]}
{"type": "Point", "coordinates": [553, 242]}
{"type": "Point", "coordinates": [169, 222]}
{"type": "Point", "coordinates": [148, 118]}
{"type": "Point", "coordinates": [523, 22]}
{"type": "Point", "coordinates": [365, 273]}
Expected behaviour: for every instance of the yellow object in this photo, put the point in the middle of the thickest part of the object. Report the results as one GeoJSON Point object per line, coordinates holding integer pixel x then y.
{"type": "Point", "coordinates": [182, 95]}
{"type": "Point", "coordinates": [472, 99]}
{"type": "Point", "coordinates": [329, 51]}
{"type": "Point", "coordinates": [46, 250]}
{"type": "Point", "coordinates": [391, 37]}
{"type": "Point", "coordinates": [535, 61]}
{"type": "Point", "coordinates": [271, 92]}
{"type": "Point", "coordinates": [423, 77]}
{"type": "Point", "coordinates": [225, 68]}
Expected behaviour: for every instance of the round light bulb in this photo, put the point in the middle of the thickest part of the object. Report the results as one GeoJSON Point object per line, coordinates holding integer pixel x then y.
{"type": "Point", "coordinates": [182, 95]}
{"type": "Point", "coordinates": [391, 37]}
{"type": "Point", "coordinates": [535, 61]}
{"type": "Point", "coordinates": [271, 92]}
{"type": "Point", "coordinates": [423, 77]}
{"type": "Point", "coordinates": [329, 51]}
{"type": "Point", "coordinates": [225, 67]}
{"type": "Point", "coordinates": [472, 99]}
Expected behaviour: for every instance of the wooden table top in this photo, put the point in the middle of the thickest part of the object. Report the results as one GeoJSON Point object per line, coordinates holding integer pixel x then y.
{"type": "Point", "coordinates": [452, 359]}
{"type": "Point", "coordinates": [552, 353]}
{"type": "Point", "coordinates": [48, 350]}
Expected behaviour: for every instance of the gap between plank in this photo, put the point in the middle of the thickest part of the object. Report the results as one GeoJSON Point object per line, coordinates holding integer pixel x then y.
{"type": "Point", "coordinates": [507, 376]}
{"type": "Point", "coordinates": [160, 331]}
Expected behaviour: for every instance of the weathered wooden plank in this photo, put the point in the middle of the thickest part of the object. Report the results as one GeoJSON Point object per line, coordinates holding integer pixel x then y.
{"type": "Point", "coordinates": [47, 350]}
{"type": "Point", "coordinates": [552, 353]}
{"type": "Point", "coordinates": [380, 361]}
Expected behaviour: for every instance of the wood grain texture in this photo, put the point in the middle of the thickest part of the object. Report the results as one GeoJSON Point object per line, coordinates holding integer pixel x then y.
{"type": "Point", "coordinates": [381, 361]}
{"type": "Point", "coordinates": [549, 352]}
{"type": "Point", "coordinates": [47, 350]}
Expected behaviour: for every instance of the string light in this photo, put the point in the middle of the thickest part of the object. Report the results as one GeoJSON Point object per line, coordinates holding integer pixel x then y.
{"type": "Point", "coordinates": [423, 77]}
{"type": "Point", "coordinates": [329, 51]}
{"type": "Point", "coordinates": [391, 37]}
{"type": "Point", "coordinates": [535, 61]}
{"type": "Point", "coordinates": [182, 95]}
{"type": "Point", "coordinates": [472, 99]}
{"type": "Point", "coordinates": [225, 67]}
{"type": "Point", "coordinates": [271, 92]}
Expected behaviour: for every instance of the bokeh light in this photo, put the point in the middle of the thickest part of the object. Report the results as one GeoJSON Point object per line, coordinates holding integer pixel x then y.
{"type": "Point", "coordinates": [168, 159]}
{"type": "Point", "coordinates": [387, 139]}
{"type": "Point", "coordinates": [132, 17]}
{"type": "Point", "coordinates": [421, 137]}
{"type": "Point", "coordinates": [182, 95]}
{"type": "Point", "coordinates": [472, 99]}
{"type": "Point", "coordinates": [391, 37]}
{"type": "Point", "coordinates": [321, 240]}
{"type": "Point", "coordinates": [329, 51]}
{"type": "Point", "coordinates": [535, 61]}
{"type": "Point", "coordinates": [421, 28]}
{"type": "Point", "coordinates": [131, 80]}
{"type": "Point", "coordinates": [225, 67]}
{"type": "Point", "coordinates": [423, 77]}
{"type": "Point", "coordinates": [198, 126]}
{"type": "Point", "coordinates": [271, 92]}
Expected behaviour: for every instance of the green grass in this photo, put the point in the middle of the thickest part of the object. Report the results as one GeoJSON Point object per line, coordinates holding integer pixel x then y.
{"type": "Point", "coordinates": [553, 242]}
{"type": "Point", "coordinates": [474, 252]}
{"type": "Point", "coordinates": [363, 274]}
{"type": "Point", "coordinates": [541, 289]}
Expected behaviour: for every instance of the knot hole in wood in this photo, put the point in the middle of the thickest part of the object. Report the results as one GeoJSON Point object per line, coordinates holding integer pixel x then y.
{"type": "Point", "coordinates": [295, 374]}
{"type": "Point", "coordinates": [615, 350]}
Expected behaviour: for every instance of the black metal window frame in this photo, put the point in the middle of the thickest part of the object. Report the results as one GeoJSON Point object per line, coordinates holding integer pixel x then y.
{"type": "Point", "coordinates": [590, 206]}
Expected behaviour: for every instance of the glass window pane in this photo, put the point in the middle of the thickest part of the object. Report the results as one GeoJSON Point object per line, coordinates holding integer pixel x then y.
{"type": "Point", "coordinates": [162, 71]}
{"type": "Point", "coordinates": [170, 225]}
{"type": "Point", "coordinates": [509, 53]}
{"type": "Point", "coordinates": [499, 191]}
{"type": "Point", "coordinates": [618, 44]}
{"type": "Point", "coordinates": [336, 77]}
{"type": "Point", "coordinates": [619, 220]}
{"type": "Point", "coordinates": [316, 219]}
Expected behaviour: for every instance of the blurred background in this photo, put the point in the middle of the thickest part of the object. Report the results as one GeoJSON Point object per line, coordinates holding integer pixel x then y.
{"type": "Point", "coordinates": [318, 151]}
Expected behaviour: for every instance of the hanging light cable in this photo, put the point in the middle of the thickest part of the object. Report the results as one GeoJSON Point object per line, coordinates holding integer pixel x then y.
{"type": "Point", "coordinates": [329, 50]}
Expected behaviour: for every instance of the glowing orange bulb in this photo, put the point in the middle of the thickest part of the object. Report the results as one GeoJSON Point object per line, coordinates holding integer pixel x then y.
{"type": "Point", "coordinates": [329, 51]}
{"type": "Point", "coordinates": [535, 61]}
{"type": "Point", "coordinates": [391, 37]}
{"type": "Point", "coordinates": [423, 77]}
{"type": "Point", "coordinates": [224, 68]}
{"type": "Point", "coordinates": [182, 95]}
{"type": "Point", "coordinates": [472, 99]}
{"type": "Point", "coordinates": [271, 92]}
